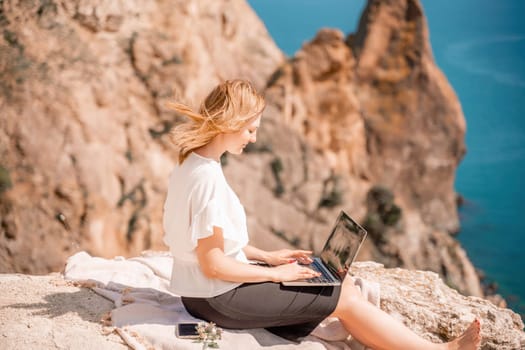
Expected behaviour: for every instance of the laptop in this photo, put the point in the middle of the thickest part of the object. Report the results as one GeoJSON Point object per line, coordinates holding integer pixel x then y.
{"type": "Point", "coordinates": [338, 254]}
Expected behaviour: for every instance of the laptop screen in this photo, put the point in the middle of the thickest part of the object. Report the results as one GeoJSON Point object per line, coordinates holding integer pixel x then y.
{"type": "Point", "coordinates": [343, 245]}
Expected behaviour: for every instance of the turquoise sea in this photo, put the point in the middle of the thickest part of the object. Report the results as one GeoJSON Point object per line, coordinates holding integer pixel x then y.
{"type": "Point", "coordinates": [480, 46]}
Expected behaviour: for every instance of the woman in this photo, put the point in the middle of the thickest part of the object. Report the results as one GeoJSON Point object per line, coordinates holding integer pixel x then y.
{"type": "Point", "coordinates": [205, 227]}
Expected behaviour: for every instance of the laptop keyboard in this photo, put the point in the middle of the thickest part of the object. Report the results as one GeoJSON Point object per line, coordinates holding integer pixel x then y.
{"type": "Point", "coordinates": [324, 277]}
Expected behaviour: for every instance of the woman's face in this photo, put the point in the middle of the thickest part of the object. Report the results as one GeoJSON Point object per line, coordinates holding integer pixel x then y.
{"type": "Point", "coordinates": [236, 141]}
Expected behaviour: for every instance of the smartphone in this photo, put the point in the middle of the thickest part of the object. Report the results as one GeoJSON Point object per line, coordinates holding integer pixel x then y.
{"type": "Point", "coordinates": [187, 330]}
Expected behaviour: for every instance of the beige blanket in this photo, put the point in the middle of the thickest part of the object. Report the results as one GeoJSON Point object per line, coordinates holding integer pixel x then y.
{"type": "Point", "coordinates": [146, 312]}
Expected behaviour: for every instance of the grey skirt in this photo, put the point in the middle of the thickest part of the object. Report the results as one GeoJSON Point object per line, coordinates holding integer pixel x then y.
{"type": "Point", "coordinates": [289, 312]}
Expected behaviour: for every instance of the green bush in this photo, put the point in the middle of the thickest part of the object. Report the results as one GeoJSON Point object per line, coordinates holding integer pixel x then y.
{"type": "Point", "coordinates": [5, 180]}
{"type": "Point", "coordinates": [277, 166]}
{"type": "Point", "coordinates": [332, 194]}
{"type": "Point", "coordinates": [382, 213]}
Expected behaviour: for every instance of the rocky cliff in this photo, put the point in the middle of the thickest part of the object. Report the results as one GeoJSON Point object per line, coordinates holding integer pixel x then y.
{"type": "Point", "coordinates": [375, 106]}
{"type": "Point", "coordinates": [365, 123]}
{"type": "Point", "coordinates": [83, 86]}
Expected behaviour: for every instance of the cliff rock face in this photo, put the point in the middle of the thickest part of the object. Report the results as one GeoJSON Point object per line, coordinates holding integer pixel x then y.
{"type": "Point", "coordinates": [378, 110]}
{"type": "Point", "coordinates": [83, 86]}
{"type": "Point", "coordinates": [365, 123]}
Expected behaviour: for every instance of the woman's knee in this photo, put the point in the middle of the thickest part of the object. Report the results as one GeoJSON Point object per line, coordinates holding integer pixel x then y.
{"type": "Point", "coordinates": [350, 290]}
{"type": "Point", "coordinates": [350, 294]}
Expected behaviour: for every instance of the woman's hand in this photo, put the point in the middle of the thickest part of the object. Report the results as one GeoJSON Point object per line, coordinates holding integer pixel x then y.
{"type": "Point", "coordinates": [292, 272]}
{"type": "Point", "coordinates": [286, 256]}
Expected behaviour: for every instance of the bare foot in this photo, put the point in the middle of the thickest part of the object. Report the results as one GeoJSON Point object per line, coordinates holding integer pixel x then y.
{"type": "Point", "coordinates": [469, 340]}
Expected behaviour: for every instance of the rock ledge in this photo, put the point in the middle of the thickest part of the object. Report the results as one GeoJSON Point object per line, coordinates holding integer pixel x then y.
{"type": "Point", "coordinates": [47, 312]}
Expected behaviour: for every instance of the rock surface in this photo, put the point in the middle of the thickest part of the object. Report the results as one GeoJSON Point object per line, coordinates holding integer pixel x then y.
{"type": "Point", "coordinates": [426, 305]}
{"type": "Point", "coordinates": [365, 123]}
{"type": "Point", "coordinates": [45, 312]}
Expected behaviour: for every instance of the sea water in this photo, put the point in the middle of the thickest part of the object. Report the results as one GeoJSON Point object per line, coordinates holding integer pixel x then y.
{"type": "Point", "coordinates": [480, 47]}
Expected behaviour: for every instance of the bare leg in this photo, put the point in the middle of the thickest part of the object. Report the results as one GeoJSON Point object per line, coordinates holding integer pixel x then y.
{"type": "Point", "coordinates": [378, 330]}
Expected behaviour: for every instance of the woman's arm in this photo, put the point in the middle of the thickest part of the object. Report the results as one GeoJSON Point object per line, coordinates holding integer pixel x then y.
{"type": "Point", "coordinates": [253, 253]}
{"type": "Point", "coordinates": [215, 264]}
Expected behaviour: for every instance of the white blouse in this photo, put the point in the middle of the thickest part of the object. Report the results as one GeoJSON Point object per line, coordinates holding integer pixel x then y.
{"type": "Point", "coordinates": [198, 199]}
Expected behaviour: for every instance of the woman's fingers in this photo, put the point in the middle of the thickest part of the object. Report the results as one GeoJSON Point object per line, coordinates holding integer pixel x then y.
{"type": "Point", "coordinates": [307, 272]}
{"type": "Point", "coordinates": [310, 273]}
{"type": "Point", "coordinates": [303, 256]}
{"type": "Point", "coordinates": [291, 272]}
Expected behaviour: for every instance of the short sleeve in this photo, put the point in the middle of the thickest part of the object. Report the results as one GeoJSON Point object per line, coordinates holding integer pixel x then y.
{"type": "Point", "coordinates": [203, 221]}
{"type": "Point", "coordinates": [211, 205]}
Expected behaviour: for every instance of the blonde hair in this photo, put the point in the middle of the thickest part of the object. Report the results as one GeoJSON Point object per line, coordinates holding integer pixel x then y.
{"type": "Point", "coordinates": [227, 108]}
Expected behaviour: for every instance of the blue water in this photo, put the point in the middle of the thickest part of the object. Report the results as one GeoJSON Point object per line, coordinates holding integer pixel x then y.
{"type": "Point", "coordinates": [480, 46]}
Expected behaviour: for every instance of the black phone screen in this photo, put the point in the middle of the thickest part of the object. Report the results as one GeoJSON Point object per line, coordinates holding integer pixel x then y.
{"type": "Point", "coordinates": [187, 330]}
